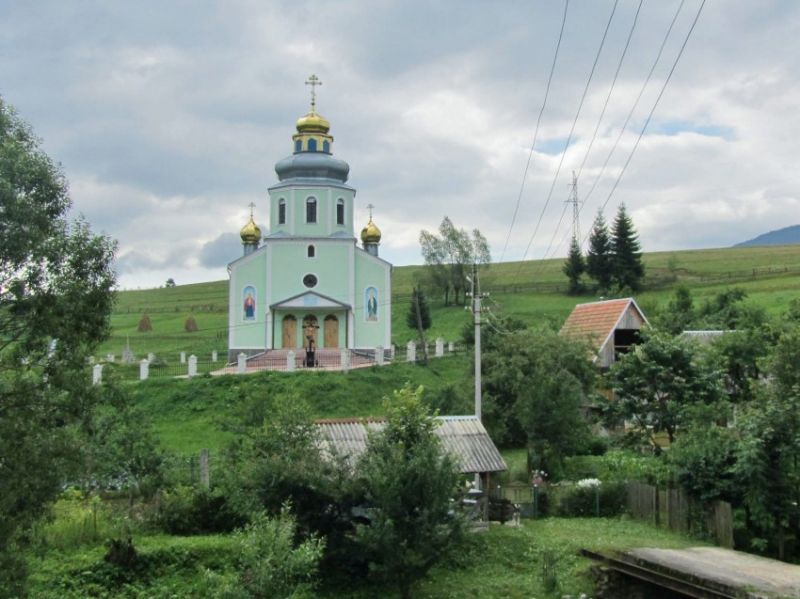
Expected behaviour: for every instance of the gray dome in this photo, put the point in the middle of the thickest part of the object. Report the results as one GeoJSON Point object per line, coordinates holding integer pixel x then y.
{"type": "Point", "coordinates": [314, 165]}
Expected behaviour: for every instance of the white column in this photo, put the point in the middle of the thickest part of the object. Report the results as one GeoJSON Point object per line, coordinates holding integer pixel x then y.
{"type": "Point", "coordinates": [393, 351]}
{"type": "Point", "coordinates": [290, 363]}
{"type": "Point", "coordinates": [344, 360]}
{"type": "Point", "coordinates": [379, 355]}
{"type": "Point", "coordinates": [411, 352]}
{"type": "Point", "coordinates": [144, 370]}
{"type": "Point", "coordinates": [214, 356]}
{"type": "Point", "coordinates": [192, 366]}
{"type": "Point", "coordinates": [97, 374]}
{"type": "Point", "coordinates": [241, 363]}
{"type": "Point", "coordinates": [183, 357]}
{"type": "Point", "coordinates": [439, 347]}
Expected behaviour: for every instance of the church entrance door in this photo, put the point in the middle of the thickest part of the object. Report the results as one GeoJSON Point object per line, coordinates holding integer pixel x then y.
{"type": "Point", "coordinates": [331, 331]}
{"type": "Point", "coordinates": [310, 329]}
{"type": "Point", "coordinates": [289, 331]}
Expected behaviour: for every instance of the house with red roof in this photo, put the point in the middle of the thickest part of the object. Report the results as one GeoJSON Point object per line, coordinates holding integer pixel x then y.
{"type": "Point", "coordinates": [611, 326]}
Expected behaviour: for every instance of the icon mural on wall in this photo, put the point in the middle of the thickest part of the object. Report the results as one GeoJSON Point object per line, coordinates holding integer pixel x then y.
{"type": "Point", "coordinates": [371, 303]}
{"type": "Point", "coordinates": [249, 297]}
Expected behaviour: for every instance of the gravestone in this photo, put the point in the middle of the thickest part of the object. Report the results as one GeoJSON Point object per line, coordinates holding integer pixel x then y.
{"type": "Point", "coordinates": [192, 366]}
{"type": "Point", "coordinates": [439, 347]}
{"type": "Point", "coordinates": [379, 355]}
{"type": "Point", "coordinates": [151, 357]}
{"type": "Point", "coordinates": [183, 357]}
{"type": "Point", "coordinates": [214, 356]}
{"type": "Point", "coordinates": [144, 370]}
{"type": "Point", "coordinates": [97, 374]}
{"type": "Point", "coordinates": [127, 356]}
{"type": "Point", "coordinates": [241, 363]}
{"type": "Point", "coordinates": [411, 352]}
{"type": "Point", "coordinates": [450, 347]}
{"type": "Point", "coordinates": [344, 359]}
{"type": "Point", "coordinates": [290, 363]}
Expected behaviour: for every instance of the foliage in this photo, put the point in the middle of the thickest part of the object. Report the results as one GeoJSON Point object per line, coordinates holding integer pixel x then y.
{"type": "Point", "coordinates": [170, 283]}
{"type": "Point", "coordinates": [409, 483]}
{"type": "Point", "coordinates": [144, 326]}
{"type": "Point", "coordinates": [704, 461]}
{"type": "Point", "coordinates": [273, 566]}
{"type": "Point", "coordinates": [626, 252]}
{"type": "Point", "coordinates": [191, 325]}
{"type": "Point", "coordinates": [76, 520]}
{"type": "Point", "coordinates": [535, 384]}
{"type": "Point", "coordinates": [657, 381]}
{"type": "Point", "coordinates": [741, 354]}
{"type": "Point", "coordinates": [784, 363]}
{"type": "Point", "coordinates": [679, 314]}
{"type": "Point", "coordinates": [574, 267]}
{"type": "Point", "coordinates": [451, 255]}
{"type": "Point", "coordinates": [186, 510]}
{"type": "Point", "coordinates": [421, 320]}
{"type": "Point", "coordinates": [767, 462]}
{"type": "Point", "coordinates": [618, 465]}
{"type": "Point", "coordinates": [727, 310]}
{"type": "Point", "coordinates": [599, 263]}
{"type": "Point", "coordinates": [55, 299]}
{"type": "Point", "coordinates": [603, 499]}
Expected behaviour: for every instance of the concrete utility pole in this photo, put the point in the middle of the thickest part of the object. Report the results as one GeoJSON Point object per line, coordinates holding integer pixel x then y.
{"type": "Point", "coordinates": [476, 295]}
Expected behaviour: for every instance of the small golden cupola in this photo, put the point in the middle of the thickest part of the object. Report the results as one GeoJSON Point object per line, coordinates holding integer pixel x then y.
{"type": "Point", "coordinates": [371, 235]}
{"type": "Point", "coordinates": [312, 129]}
{"type": "Point", "coordinates": [250, 234]}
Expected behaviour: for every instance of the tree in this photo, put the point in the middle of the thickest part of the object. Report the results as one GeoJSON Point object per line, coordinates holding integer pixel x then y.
{"type": "Point", "coordinates": [535, 384]}
{"type": "Point", "coordinates": [170, 283]}
{"type": "Point", "coordinates": [659, 380]}
{"type": "Point", "coordinates": [451, 255]}
{"type": "Point", "coordinates": [56, 279]}
{"type": "Point", "coordinates": [626, 252]}
{"type": "Point", "coordinates": [679, 314]}
{"type": "Point", "coordinates": [574, 267]}
{"type": "Point", "coordinates": [598, 257]}
{"type": "Point", "coordinates": [410, 482]}
{"type": "Point", "coordinates": [419, 318]}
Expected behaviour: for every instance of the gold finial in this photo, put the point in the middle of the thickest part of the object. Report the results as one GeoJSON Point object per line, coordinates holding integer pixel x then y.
{"type": "Point", "coordinates": [313, 81]}
{"type": "Point", "coordinates": [370, 207]}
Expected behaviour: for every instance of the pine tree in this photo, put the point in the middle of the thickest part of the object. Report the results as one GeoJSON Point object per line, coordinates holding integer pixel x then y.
{"type": "Point", "coordinates": [424, 311]}
{"type": "Point", "coordinates": [598, 257]}
{"type": "Point", "coordinates": [574, 267]}
{"type": "Point", "coordinates": [628, 270]}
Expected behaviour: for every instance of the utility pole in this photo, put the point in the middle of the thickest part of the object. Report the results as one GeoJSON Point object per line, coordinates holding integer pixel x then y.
{"type": "Point", "coordinates": [475, 294]}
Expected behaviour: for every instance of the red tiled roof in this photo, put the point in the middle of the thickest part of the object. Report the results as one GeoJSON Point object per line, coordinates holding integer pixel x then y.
{"type": "Point", "coordinates": [595, 320]}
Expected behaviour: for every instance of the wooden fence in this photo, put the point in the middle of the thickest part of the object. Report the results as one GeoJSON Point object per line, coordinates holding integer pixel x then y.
{"type": "Point", "coordinates": [675, 510]}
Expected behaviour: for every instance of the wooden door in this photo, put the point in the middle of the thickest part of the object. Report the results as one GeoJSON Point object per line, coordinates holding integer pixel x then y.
{"type": "Point", "coordinates": [289, 331]}
{"type": "Point", "coordinates": [331, 331]}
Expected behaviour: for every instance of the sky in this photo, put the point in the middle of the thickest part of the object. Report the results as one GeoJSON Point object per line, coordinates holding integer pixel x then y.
{"type": "Point", "coordinates": [168, 117]}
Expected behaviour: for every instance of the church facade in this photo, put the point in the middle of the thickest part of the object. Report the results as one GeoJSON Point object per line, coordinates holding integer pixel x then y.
{"type": "Point", "coordinates": [307, 283]}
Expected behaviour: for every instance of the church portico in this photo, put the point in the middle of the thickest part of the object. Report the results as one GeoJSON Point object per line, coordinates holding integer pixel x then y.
{"type": "Point", "coordinates": [307, 283]}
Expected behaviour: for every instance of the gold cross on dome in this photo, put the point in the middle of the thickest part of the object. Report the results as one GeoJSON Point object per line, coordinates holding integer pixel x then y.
{"type": "Point", "coordinates": [370, 207]}
{"type": "Point", "coordinates": [313, 81]}
{"type": "Point", "coordinates": [252, 207]}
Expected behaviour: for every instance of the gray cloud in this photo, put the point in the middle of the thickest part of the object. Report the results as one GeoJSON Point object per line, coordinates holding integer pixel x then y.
{"type": "Point", "coordinates": [222, 251]}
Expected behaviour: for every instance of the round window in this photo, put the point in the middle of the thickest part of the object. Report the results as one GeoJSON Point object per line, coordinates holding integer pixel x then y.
{"type": "Point", "coordinates": [310, 281]}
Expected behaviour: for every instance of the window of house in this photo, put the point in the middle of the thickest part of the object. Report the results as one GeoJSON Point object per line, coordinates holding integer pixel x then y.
{"type": "Point", "coordinates": [340, 212]}
{"type": "Point", "coordinates": [311, 210]}
{"type": "Point", "coordinates": [311, 251]}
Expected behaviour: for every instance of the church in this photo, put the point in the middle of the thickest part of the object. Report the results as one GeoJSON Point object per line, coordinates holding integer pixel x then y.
{"type": "Point", "coordinates": [307, 284]}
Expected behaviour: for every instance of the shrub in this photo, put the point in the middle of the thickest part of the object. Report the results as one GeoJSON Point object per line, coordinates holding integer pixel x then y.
{"type": "Point", "coordinates": [187, 511]}
{"type": "Point", "coordinates": [590, 497]}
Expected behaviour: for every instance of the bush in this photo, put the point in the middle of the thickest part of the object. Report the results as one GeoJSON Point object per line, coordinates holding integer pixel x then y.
{"type": "Point", "coordinates": [590, 497]}
{"type": "Point", "coordinates": [189, 511]}
{"type": "Point", "coordinates": [618, 466]}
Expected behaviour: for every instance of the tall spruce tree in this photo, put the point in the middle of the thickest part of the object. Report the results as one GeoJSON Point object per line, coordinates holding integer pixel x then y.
{"type": "Point", "coordinates": [421, 319]}
{"type": "Point", "coordinates": [598, 257]}
{"type": "Point", "coordinates": [574, 267]}
{"type": "Point", "coordinates": [628, 270]}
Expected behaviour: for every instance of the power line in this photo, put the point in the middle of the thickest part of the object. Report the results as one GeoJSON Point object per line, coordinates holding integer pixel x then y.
{"type": "Point", "coordinates": [536, 131]}
{"type": "Point", "coordinates": [571, 132]}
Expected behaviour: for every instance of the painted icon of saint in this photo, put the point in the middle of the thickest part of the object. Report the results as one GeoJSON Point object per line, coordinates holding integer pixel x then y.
{"type": "Point", "coordinates": [371, 297]}
{"type": "Point", "coordinates": [249, 294]}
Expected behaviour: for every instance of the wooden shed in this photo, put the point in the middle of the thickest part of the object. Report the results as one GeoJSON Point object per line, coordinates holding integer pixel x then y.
{"type": "Point", "coordinates": [463, 437]}
{"type": "Point", "coordinates": [611, 326]}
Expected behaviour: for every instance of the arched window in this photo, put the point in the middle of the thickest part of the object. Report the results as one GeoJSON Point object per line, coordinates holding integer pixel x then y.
{"type": "Point", "coordinates": [326, 146]}
{"type": "Point", "coordinates": [312, 145]}
{"type": "Point", "coordinates": [311, 210]}
{"type": "Point", "coordinates": [298, 145]}
{"type": "Point", "coordinates": [340, 211]}
{"type": "Point", "coordinates": [282, 212]}
{"type": "Point", "coordinates": [311, 251]}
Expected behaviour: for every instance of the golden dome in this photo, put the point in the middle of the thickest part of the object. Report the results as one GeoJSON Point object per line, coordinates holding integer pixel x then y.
{"type": "Point", "coordinates": [313, 123]}
{"type": "Point", "coordinates": [371, 233]}
{"type": "Point", "coordinates": [250, 233]}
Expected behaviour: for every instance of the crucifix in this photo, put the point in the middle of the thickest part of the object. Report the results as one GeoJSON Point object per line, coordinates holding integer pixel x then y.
{"type": "Point", "coordinates": [252, 207]}
{"type": "Point", "coordinates": [313, 81]}
{"type": "Point", "coordinates": [370, 207]}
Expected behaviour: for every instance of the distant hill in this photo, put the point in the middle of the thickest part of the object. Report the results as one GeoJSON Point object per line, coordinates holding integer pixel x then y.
{"type": "Point", "coordinates": [785, 236]}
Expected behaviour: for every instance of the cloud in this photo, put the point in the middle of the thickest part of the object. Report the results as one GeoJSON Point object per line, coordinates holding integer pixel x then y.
{"type": "Point", "coordinates": [220, 252]}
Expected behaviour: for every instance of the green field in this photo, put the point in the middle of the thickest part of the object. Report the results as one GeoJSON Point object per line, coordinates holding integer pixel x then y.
{"type": "Point", "coordinates": [532, 291]}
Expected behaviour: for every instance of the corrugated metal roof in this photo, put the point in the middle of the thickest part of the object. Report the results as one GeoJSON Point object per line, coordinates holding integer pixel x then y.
{"type": "Point", "coordinates": [463, 437]}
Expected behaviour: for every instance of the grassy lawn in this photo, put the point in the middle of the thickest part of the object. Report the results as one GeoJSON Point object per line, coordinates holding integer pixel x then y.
{"type": "Point", "coordinates": [505, 562]}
